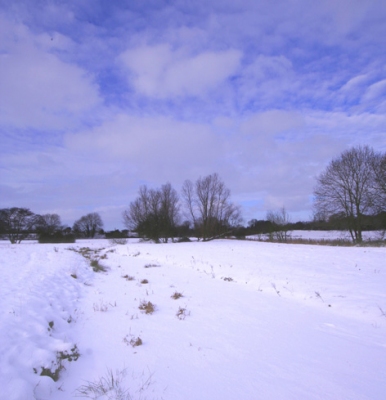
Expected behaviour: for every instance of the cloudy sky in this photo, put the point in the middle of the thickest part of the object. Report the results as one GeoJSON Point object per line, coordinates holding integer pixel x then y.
{"type": "Point", "coordinates": [99, 97]}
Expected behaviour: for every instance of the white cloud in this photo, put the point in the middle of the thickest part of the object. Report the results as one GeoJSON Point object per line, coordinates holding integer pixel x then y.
{"type": "Point", "coordinates": [355, 85]}
{"type": "Point", "coordinates": [272, 122]}
{"type": "Point", "coordinates": [160, 71]}
{"type": "Point", "coordinates": [266, 67]}
{"type": "Point", "coordinates": [38, 90]}
{"type": "Point", "coordinates": [267, 80]}
{"type": "Point", "coordinates": [154, 148]}
{"type": "Point", "coordinates": [375, 91]}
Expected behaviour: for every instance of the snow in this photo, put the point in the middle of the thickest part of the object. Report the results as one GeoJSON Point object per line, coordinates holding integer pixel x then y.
{"type": "Point", "coordinates": [262, 320]}
{"type": "Point", "coordinates": [325, 235]}
{"type": "Point", "coordinates": [331, 235]}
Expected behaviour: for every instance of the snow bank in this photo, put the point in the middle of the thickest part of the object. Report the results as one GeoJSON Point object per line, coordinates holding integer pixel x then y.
{"type": "Point", "coordinates": [39, 302]}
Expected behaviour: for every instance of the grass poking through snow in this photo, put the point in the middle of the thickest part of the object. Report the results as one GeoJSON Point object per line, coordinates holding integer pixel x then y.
{"type": "Point", "coordinates": [147, 306]}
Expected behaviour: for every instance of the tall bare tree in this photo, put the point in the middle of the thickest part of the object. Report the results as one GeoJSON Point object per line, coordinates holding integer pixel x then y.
{"type": "Point", "coordinates": [169, 210]}
{"type": "Point", "coordinates": [154, 214]}
{"type": "Point", "coordinates": [49, 223]}
{"type": "Point", "coordinates": [209, 207]}
{"type": "Point", "coordinates": [346, 187]}
{"type": "Point", "coordinates": [379, 167]}
{"type": "Point", "coordinates": [88, 225]}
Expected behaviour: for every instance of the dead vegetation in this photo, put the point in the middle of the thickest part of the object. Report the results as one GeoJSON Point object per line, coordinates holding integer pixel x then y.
{"type": "Point", "coordinates": [176, 295]}
{"type": "Point", "coordinates": [128, 277]}
{"type": "Point", "coordinates": [182, 313]}
{"type": "Point", "coordinates": [147, 306]}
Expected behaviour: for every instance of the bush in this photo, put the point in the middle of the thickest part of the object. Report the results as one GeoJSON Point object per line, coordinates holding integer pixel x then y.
{"type": "Point", "coordinates": [57, 237]}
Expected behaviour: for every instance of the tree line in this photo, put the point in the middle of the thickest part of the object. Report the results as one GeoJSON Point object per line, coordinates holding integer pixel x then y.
{"type": "Point", "coordinates": [208, 211]}
{"type": "Point", "coordinates": [350, 194]}
{"type": "Point", "coordinates": [156, 214]}
{"type": "Point", "coordinates": [18, 224]}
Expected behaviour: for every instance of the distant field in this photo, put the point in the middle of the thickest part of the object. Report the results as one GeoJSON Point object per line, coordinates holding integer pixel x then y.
{"type": "Point", "coordinates": [326, 235]}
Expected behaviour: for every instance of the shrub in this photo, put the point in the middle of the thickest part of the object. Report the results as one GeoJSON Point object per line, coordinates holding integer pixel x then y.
{"type": "Point", "coordinates": [57, 237]}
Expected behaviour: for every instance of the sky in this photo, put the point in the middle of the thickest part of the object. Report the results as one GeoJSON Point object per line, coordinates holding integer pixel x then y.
{"type": "Point", "coordinates": [98, 98]}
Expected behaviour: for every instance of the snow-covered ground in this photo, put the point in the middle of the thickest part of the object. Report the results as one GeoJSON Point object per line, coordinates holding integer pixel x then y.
{"type": "Point", "coordinates": [261, 321]}
{"type": "Point", "coordinates": [326, 235]}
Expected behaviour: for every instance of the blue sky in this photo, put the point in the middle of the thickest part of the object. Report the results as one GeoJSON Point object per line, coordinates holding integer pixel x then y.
{"type": "Point", "coordinates": [97, 98]}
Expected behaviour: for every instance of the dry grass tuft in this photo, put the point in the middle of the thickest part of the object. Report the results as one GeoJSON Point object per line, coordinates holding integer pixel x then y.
{"type": "Point", "coordinates": [97, 267]}
{"type": "Point", "coordinates": [133, 341]}
{"type": "Point", "coordinates": [128, 277]}
{"type": "Point", "coordinates": [176, 295]}
{"type": "Point", "coordinates": [182, 313]}
{"type": "Point", "coordinates": [57, 366]}
{"type": "Point", "coordinates": [147, 306]}
{"type": "Point", "coordinates": [102, 307]}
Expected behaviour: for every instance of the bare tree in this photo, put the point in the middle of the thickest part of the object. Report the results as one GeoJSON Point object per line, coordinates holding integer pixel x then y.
{"type": "Point", "coordinates": [88, 225]}
{"type": "Point", "coordinates": [169, 210]}
{"type": "Point", "coordinates": [49, 223]}
{"type": "Point", "coordinates": [154, 214]}
{"type": "Point", "coordinates": [279, 224]}
{"type": "Point", "coordinates": [17, 223]}
{"type": "Point", "coordinates": [379, 167]}
{"type": "Point", "coordinates": [379, 188]}
{"type": "Point", "coordinates": [209, 207]}
{"type": "Point", "coordinates": [346, 187]}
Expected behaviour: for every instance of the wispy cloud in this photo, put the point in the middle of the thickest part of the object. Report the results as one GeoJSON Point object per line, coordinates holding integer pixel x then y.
{"type": "Point", "coordinates": [160, 72]}
{"type": "Point", "coordinates": [38, 89]}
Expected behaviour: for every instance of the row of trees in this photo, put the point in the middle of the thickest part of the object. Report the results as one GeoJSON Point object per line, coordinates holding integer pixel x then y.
{"type": "Point", "coordinates": [208, 211]}
{"type": "Point", "coordinates": [350, 194]}
{"type": "Point", "coordinates": [17, 224]}
{"type": "Point", "coordinates": [155, 214]}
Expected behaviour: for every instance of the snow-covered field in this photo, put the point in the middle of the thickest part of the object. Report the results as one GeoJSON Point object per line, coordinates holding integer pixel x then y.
{"type": "Point", "coordinates": [326, 235]}
{"type": "Point", "coordinates": [261, 321]}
